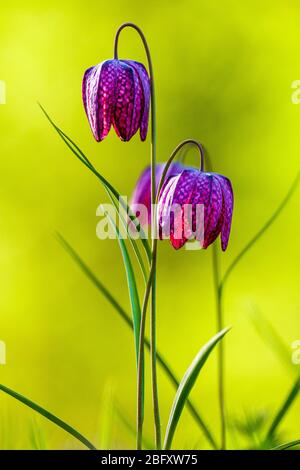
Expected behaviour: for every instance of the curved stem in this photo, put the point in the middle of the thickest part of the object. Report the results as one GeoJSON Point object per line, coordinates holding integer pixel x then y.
{"type": "Point", "coordinates": [151, 287]}
{"type": "Point", "coordinates": [151, 281]}
{"type": "Point", "coordinates": [173, 155]}
{"type": "Point", "coordinates": [221, 353]}
{"type": "Point", "coordinates": [184, 153]}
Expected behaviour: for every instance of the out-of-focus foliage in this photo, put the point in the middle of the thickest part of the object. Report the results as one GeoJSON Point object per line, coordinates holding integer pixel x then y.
{"type": "Point", "coordinates": [224, 74]}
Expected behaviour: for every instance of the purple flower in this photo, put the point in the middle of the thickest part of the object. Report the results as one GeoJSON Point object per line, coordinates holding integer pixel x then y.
{"type": "Point", "coordinates": [117, 92]}
{"type": "Point", "coordinates": [194, 188]}
{"type": "Point", "coordinates": [142, 191]}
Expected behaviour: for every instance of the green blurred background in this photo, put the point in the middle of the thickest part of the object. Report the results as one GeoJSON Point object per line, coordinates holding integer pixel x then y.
{"type": "Point", "coordinates": [223, 73]}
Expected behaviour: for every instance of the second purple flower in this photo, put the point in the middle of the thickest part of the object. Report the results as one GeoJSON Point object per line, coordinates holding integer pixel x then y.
{"type": "Point", "coordinates": [191, 189]}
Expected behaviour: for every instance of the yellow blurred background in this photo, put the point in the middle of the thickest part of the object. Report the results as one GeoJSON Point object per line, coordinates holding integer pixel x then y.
{"type": "Point", "coordinates": [223, 71]}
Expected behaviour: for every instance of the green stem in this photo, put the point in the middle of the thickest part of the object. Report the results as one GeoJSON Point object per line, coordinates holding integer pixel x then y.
{"type": "Point", "coordinates": [151, 284]}
{"type": "Point", "coordinates": [149, 288]}
{"type": "Point", "coordinates": [221, 361]}
{"type": "Point", "coordinates": [126, 317]}
{"type": "Point", "coordinates": [153, 264]}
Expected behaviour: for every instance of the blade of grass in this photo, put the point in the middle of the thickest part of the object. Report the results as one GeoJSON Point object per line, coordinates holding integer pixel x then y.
{"type": "Point", "coordinates": [268, 333]}
{"type": "Point", "coordinates": [132, 287]}
{"type": "Point", "coordinates": [284, 408]}
{"type": "Point", "coordinates": [135, 305]}
{"type": "Point", "coordinates": [50, 416]}
{"type": "Point", "coordinates": [125, 316]}
{"type": "Point", "coordinates": [220, 283]}
{"type": "Point", "coordinates": [287, 445]}
{"type": "Point", "coordinates": [263, 229]}
{"type": "Point", "coordinates": [147, 443]}
{"type": "Point", "coordinates": [187, 384]}
{"type": "Point", "coordinates": [113, 194]}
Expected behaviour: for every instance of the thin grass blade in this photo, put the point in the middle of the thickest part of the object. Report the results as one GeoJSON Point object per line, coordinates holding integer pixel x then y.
{"type": "Point", "coordinates": [132, 287]}
{"type": "Point", "coordinates": [50, 416]}
{"type": "Point", "coordinates": [113, 194]}
{"type": "Point", "coordinates": [287, 445]}
{"type": "Point", "coordinates": [187, 384]}
{"type": "Point", "coordinates": [283, 410]}
{"type": "Point", "coordinates": [126, 317]}
{"type": "Point", "coordinates": [270, 336]}
{"type": "Point", "coordinates": [147, 443]}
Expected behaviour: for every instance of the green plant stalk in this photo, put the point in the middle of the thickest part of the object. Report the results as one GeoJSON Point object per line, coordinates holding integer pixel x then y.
{"type": "Point", "coordinates": [153, 348]}
{"type": "Point", "coordinates": [50, 416]}
{"type": "Point", "coordinates": [132, 290]}
{"type": "Point", "coordinates": [287, 445]}
{"type": "Point", "coordinates": [219, 289]}
{"type": "Point", "coordinates": [221, 364]}
{"type": "Point", "coordinates": [149, 287]}
{"type": "Point", "coordinates": [112, 192]}
{"type": "Point", "coordinates": [126, 317]}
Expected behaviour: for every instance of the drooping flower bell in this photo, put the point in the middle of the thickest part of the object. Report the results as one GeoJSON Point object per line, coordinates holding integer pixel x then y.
{"type": "Point", "coordinates": [142, 192]}
{"type": "Point", "coordinates": [191, 189]}
{"type": "Point", "coordinates": [117, 92]}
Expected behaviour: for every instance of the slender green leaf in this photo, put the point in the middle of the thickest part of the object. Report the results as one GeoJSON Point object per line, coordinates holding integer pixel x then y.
{"type": "Point", "coordinates": [113, 194]}
{"type": "Point", "coordinates": [125, 316]}
{"type": "Point", "coordinates": [51, 417]}
{"type": "Point", "coordinates": [263, 229]}
{"type": "Point", "coordinates": [287, 445]}
{"type": "Point", "coordinates": [134, 299]}
{"type": "Point", "coordinates": [132, 287]}
{"type": "Point", "coordinates": [147, 443]}
{"type": "Point", "coordinates": [268, 333]}
{"type": "Point", "coordinates": [187, 384]}
{"type": "Point", "coordinates": [284, 408]}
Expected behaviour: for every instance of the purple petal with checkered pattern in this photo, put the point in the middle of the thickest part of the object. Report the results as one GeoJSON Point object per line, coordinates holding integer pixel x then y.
{"type": "Point", "coordinates": [201, 195]}
{"type": "Point", "coordinates": [182, 194]}
{"type": "Point", "coordinates": [164, 207]}
{"type": "Point", "coordinates": [117, 92]}
{"type": "Point", "coordinates": [98, 97]}
{"type": "Point", "coordinates": [214, 219]}
{"type": "Point", "coordinates": [193, 187]}
{"type": "Point", "coordinates": [145, 83]}
{"type": "Point", "coordinates": [228, 201]}
{"type": "Point", "coordinates": [124, 100]}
